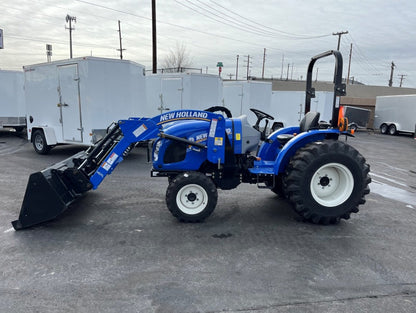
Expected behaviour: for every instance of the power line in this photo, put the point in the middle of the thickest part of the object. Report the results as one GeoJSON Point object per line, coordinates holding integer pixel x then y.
{"type": "Point", "coordinates": [271, 28]}
{"type": "Point", "coordinates": [169, 24]}
{"type": "Point", "coordinates": [218, 20]}
{"type": "Point", "coordinates": [237, 23]}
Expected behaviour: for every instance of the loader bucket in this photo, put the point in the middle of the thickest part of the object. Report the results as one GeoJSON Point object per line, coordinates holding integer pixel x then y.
{"type": "Point", "coordinates": [51, 191]}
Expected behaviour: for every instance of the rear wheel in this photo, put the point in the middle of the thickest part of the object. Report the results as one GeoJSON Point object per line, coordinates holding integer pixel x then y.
{"type": "Point", "coordinates": [39, 142]}
{"type": "Point", "coordinates": [383, 129]}
{"type": "Point", "coordinates": [327, 181]}
{"type": "Point", "coordinates": [191, 197]}
{"type": "Point", "coordinates": [392, 130]}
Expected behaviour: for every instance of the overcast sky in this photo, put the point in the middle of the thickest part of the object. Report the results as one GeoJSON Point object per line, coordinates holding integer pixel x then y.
{"type": "Point", "coordinates": [291, 31]}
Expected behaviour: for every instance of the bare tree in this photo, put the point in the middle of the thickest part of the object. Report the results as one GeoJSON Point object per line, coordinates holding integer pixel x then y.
{"type": "Point", "coordinates": [177, 59]}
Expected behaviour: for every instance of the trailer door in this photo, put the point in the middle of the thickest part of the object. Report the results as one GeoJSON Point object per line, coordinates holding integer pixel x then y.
{"type": "Point", "coordinates": [171, 95]}
{"type": "Point", "coordinates": [69, 102]}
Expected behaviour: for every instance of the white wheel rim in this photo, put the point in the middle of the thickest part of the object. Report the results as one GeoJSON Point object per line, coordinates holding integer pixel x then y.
{"type": "Point", "coordinates": [332, 184]}
{"type": "Point", "coordinates": [192, 199]}
{"type": "Point", "coordinates": [39, 142]}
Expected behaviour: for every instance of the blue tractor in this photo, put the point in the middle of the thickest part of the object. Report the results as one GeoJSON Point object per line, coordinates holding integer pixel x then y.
{"type": "Point", "coordinates": [200, 151]}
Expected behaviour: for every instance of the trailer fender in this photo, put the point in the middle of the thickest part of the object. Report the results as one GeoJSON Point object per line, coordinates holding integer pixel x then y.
{"type": "Point", "coordinates": [299, 141]}
{"type": "Point", "coordinates": [49, 133]}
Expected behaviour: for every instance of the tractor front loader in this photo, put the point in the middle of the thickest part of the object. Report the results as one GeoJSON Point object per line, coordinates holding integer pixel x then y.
{"type": "Point", "coordinates": [201, 151]}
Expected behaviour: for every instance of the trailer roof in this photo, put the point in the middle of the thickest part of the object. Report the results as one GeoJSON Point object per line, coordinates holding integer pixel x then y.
{"type": "Point", "coordinates": [81, 59]}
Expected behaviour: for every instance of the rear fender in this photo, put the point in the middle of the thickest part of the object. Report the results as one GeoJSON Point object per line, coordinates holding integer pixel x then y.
{"type": "Point", "coordinates": [299, 141]}
{"type": "Point", "coordinates": [49, 133]}
{"type": "Point", "coordinates": [397, 125]}
{"type": "Point", "coordinates": [271, 148]}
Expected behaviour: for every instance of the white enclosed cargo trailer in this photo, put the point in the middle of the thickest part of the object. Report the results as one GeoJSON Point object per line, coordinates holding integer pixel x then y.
{"type": "Point", "coordinates": [395, 114]}
{"type": "Point", "coordinates": [357, 117]}
{"type": "Point", "coordinates": [182, 91]}
{"type": "Point", "coordinates": [74, 101]}
{"type": "Point", "coordinates": [12, 100]}
{"type": "Point", "coordinates": [289, 106]}
{"type": "Point", "coordinates": [240, 96]}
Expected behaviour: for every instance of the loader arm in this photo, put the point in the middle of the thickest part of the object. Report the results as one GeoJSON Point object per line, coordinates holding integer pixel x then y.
{"type": "Point", "coordinates": [51, 191]}
{"type": "Point", "coordinates": [136, 130]}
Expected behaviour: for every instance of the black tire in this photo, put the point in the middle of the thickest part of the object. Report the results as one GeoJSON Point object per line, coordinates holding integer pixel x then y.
{"type": "Point", "coordinates": [392, 130]}
{"type": "Point", "coordinates": [383, 129]}
{"type": "Point", "coordinates": [39, 142]}
{"type": "Point", "coordinates": [191, 197]}
{"type": "Point", "coordinates": [311, 172]}
{"type": "Point", "coordinates": [278, 187]}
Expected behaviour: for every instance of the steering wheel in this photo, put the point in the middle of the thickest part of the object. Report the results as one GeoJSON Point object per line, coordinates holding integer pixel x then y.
{"type": "Point", "coordinates": [221, 109]}
{"type": "Point", "coordinates": [260, 116]}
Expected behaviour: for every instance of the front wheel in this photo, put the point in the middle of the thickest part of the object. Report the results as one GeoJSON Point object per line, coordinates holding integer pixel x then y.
{"type": "Point", "coordinates": [383, 129]}
{"type": "Point", "coordinates": [191, 197]}
{"type": "Point", "coordinates": [327, 181]}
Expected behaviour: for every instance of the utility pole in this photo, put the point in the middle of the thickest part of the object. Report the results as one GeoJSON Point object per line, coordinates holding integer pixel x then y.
{"type": "Point", "coordinates": [349, 66]}
{"type": "Point", "coordinates": [287, 75]}
{"type": "Point", "coordinates": [248, 66]}
{"type": "Point", "coordinates": [48, 52]}
{"type": "Point", "coordinates": [1, 39]}
{"type": "Point", "coordinates": [154, 36]}
{"type": "Point", "coordinates": [264, 60]}
{"type": "Point", "coordinates": [391, 74]}
{"type": "Point", "coordinates": [236, 68]}
{"type": "Point", "coordinates": [339, 34]}
{"type": "Point", "coordinates": [401, 78]}
{"type": "Point", "coordinates": [69, 20]}
{"type": "Point", "coordinates": [283, 59]}
{"type": "Point", "coordinates": [119, 37]}
{"type": "Point", "coordinates": [316, 77]}
{"type": "Point", "coordinates": [291, 73]}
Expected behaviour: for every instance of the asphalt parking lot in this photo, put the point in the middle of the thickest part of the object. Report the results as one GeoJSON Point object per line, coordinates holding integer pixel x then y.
{"type": "Point", "coordinates": [118, 249]}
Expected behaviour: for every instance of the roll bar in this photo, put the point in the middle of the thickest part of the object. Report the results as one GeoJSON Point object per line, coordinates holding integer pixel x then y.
{"type": "Point", "coordinates": [339, 87]}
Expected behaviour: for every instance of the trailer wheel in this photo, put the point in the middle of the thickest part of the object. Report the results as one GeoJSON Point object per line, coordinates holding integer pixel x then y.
{"type": "Point", "coordinates": [39, 142]}
{"type": "Point", "coordinates": [353, 127]}
{"type": "Point", "coordinates": [327, 181]}
{"type": "Point", "coordinates": [191, 197]}
{"type": "Point", "coordinates": [392, 130]}
{"type": "Point", "coordinates": [383, 129]}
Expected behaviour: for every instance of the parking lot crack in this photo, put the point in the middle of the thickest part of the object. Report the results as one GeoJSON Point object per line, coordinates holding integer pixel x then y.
{"type": "Point", "coordinates": [403, 293]}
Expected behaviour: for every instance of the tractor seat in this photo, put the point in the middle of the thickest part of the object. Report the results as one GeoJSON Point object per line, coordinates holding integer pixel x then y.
{"type": "Point", "coordinates": [308, 122]}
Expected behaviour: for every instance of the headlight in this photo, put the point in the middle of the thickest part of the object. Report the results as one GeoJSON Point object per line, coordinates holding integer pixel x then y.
{"type": "Point", "coordinates": [156, 150]}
